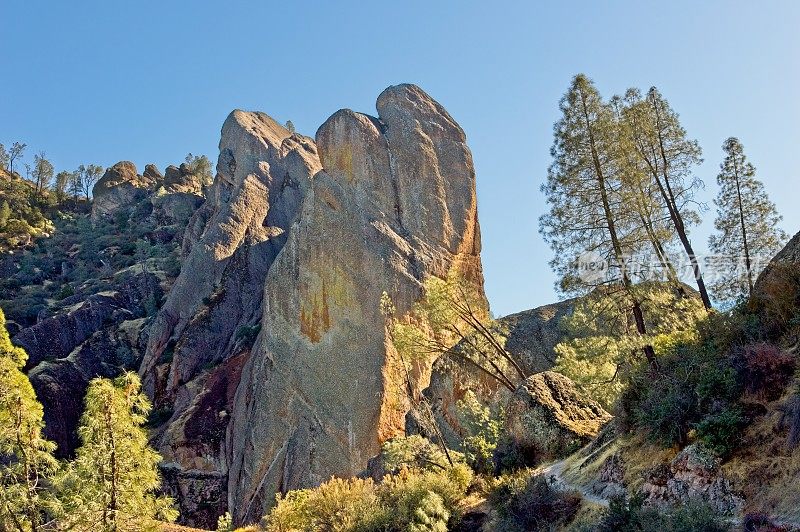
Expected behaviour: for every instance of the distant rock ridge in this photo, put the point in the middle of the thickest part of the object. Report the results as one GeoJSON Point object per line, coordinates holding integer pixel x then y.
{"type": "Point", "coordinates": [172, 198]}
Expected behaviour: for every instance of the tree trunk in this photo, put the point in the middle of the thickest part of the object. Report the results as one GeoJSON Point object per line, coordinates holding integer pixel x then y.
{"type": "Point", "coordinates": [677, 218]}
{"type": "Point", "coordinates": [638, 316]}
{"type": "Point", "coordinates": [744, 230]}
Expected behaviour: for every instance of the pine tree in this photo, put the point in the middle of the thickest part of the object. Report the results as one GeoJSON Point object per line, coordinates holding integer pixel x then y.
{"type": "Point", "coordinates": [747, 225]}
{"type": "Point", "coordinates": [3, 157]}
{"type": "Point", "coordinates": [113, 479]}
{"type": "Point", "coordinates": [61, 184]}
{"type": "Point", "coordinates": [42, 172]}
{"type": "Point", "coordinates": [654, 136]}
{"type": "Point", "coordinates": [16, 152]}
{"type": "Point", "coordinates": [587, 210]}
{"type": "Point", "coordinates": [26, 458]}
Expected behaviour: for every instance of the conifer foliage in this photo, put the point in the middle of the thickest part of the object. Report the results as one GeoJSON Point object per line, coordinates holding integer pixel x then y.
{"type": "Point", "coordinates": [26, 458]}
{"type": "Point", "coordinates": [747, 225]}
{"type": "Point", "coordinates": [115, 473]}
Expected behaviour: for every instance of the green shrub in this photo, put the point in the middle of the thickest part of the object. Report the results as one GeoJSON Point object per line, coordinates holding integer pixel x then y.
{"type": "Point", "coordinates": [720, 433]}
{"type": "Point", "coordinates": [528, 502]}
{"type": "Point", "coordinates": [411, 500]}
{"type": "Point", "coordinates": [693, 380]}
{"type": "Point", "coordinates": [483, 433]}
{"type": "Point", "coordinates": [65, 292]}
{"type": "Point", "coordinates": [247, 333]}
{"type": "Point", "coordinates": [631, 515]}
{"type": "Point", "coordinates": [415, 452]}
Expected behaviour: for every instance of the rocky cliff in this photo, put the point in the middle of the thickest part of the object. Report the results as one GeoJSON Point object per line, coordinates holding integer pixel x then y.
{"type": "Point", "coordinates": [204, 332]}
{"type": "Point", "coordinates": [269, 357]}
{"type": "Point", "coordinates": [394, 203]}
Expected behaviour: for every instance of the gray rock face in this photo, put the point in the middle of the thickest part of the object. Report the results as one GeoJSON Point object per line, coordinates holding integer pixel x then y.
{"type": "Point", "coordinates": [99, 337]}
{"type": "Point", "coordinates": [693, 475]}
{"type": "Point", "coordinates": [55, 338]}
{"type": "Point", "coordinates": [205, 330]}
{"type": "Point", "coordinates": [394, 203]}
{"type": "Point", "coordinates": [120, 188]}
{"type": "Point", "coordinates": [548, 418]}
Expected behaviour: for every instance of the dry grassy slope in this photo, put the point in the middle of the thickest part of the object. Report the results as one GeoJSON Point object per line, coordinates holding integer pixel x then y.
{"type": "Point", "coordinates": [762, 469]}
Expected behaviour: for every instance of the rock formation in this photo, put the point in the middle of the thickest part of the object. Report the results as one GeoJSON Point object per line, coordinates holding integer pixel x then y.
{"type": "Point", "coordinates": [169, 199]}
{"type": "Point", "coordinates": [99, 337]}
{"type": "Point", "coordinates": [394, 203]}
{"type": "Point", "coordinates": [548, 418]}
{"type": "Point", "coordinates": [120, 188]}
{"type": "Point", "coordinates": [206, 328]}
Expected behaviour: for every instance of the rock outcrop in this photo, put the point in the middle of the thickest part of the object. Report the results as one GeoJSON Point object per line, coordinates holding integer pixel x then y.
{"type": "Point", "coordinates": [548, 418]}
{"type": "Point", "coordinates": [531, 337]}
{"type": "Point", "coordinates": [394, 203]}
{"type": "Point", "coordinates": [203, 334]}
{"type": "Point", "coordinates": [120, 188]}
{"type": "Point", "coordinates": [99, 337]}
{"type": "Point", "coordinates": [693, 475]}
{"type": "Point", "coordinates": [168, 199]}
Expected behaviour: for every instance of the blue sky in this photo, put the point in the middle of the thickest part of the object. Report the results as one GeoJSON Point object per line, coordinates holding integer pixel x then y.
{"type": "Point", "coordinates": [146, 81]}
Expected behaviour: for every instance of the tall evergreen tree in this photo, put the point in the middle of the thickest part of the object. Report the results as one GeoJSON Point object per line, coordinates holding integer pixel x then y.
{"type": "Point", "coordinates": [583, 189]}
{"type": "Point", "coordinates": [42, 172]}
{"type": "Point", "coordinates": [26, 458]}
{"type": "Point", "coordinates": [653, 132]}
{"type": "Point", "coordinates": [61, 185]}
{"type": "Point", "coordinates": [747, 225]}
{"type": "Point", "coordinates": [115, 473]}
{"type": "Point", "coordinates": [14, 153]}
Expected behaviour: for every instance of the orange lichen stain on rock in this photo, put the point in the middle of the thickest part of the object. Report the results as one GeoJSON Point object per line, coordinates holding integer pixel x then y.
{"type": "Point", "coordinates": [315, 318]}
{"type": "Point", "coordinates": [344, 162]}
{"type": "Point", "coordinates": [394, 399]}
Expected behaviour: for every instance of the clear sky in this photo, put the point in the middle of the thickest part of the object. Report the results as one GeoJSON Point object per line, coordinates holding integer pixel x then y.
{"type": "Point", "coordinates": [146, 81]}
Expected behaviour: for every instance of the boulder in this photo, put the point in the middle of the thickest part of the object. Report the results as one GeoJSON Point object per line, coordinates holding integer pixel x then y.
{"type": "Point", "coordinates": [776, 293]}
{"type": "Point", "coordinates": [394, 203]}
{"type": "Point", "coordinates": [120, 188]}
{"type": "Point", "coordinates": [152, 173]}
{"type": "Point", "coordinates": [531, 337]}
{"type": "Point", "coordinates": [547, 418]}
{"type": "Point", "coordinates": [694, 474]}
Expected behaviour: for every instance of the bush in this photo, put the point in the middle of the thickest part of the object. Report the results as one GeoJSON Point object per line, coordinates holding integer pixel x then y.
{"type": "Point", "coordinates": [693, 380]}
{"type": "Point", "coordinates": [525, 501]}
{"type": "Point", "coordinates": [483, 433]}
{"type": "Point", "coordinates": [721, 433]}
{"type": "Point", "coordinates": [411, 500]}
{"type": "Point", "coordinates": [764, 369]}
{"type": "Point", "coordinates": [65, 292]}
{"type": "Point", "coordinates": [247, 333]}
{"type": "Point", "coordinates": [631, 515]}
{"type": "Point", "coordinates": [415, 452]}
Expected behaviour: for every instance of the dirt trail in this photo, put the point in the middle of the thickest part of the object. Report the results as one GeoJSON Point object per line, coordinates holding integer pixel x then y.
{"type": "Point", "coordinates": [556, 471]}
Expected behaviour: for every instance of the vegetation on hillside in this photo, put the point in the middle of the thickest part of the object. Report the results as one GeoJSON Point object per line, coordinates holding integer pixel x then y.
{"type": "Point", "coordinates": [111, 484]}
